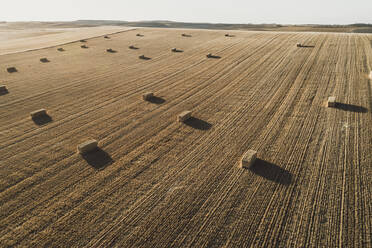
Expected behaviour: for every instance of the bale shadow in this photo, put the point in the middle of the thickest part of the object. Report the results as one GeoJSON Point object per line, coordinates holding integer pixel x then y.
{"type": "Point", "coordinates": [111, 51]}
{"type": "Point", "coordinates": [186, 35]}
{"type": "Point", "coordinates": [156, 100]}
{"type": "Point", "coordinates": [133, 48]}
{"type": "Point", "coordinates": [306, 46]}
{"type": "Point", "coordinates": [42, 120]}
{"type": "Point", "coordinates": [44, 60]}
{"type": "Point", "coordinates": [198, 124]}
{"type": "Point", "coordinates": [84, 46]}
{"type": "Point", "coordinates": [98, 159]}
{"type": "Point", "coordinates": [139, 35]}
{"type": "Point", "coordinates": [61, 49]}
{"type": "Point", "coordinates": [351, 107]}
{"type": "Point", "coordinates": [271, 172]}
{"type": "Point", "coordinates": [177, 51]}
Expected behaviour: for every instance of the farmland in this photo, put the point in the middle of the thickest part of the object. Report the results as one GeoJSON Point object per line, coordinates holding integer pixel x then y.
{"type": "Point", "coordinates": [162, 183]}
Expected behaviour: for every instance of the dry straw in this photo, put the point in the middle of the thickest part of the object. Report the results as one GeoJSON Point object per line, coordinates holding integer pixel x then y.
{"type": "Point", "coordinates": [331, 101]}
{"type": "Point", "coordinates": [147, 96]}
{"type": "Point", "coordinates": [38, 113]}
{"type": "Point", "coordinates": [248, 159]}
{"type": "Point", "coordinates": [185, 115]}
{"type": "Point", "coordinates": [87, 146]}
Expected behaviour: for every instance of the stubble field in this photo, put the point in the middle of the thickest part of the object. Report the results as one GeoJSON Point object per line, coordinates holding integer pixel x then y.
{"type": "Point", "coordinates": [160, 183]}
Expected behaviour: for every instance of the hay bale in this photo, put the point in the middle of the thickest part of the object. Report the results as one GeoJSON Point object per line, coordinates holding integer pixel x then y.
{"type": "Point", "coordinates": [44, 60]}
{"type": "Point", "coordinates": [147, 96]}
{"type": "Point", "coordinates": [175, 50]}
{"type": "Point", "coordinates": [38, 113]}
{"type": "Point", "coordinates": [185, 115]}
{"type": "Point", "coordinates": [144, 57]}
{"type": "Point", "coordinates": [87, 146]}
{"type": "Point", "coordinates": [3, 89]}
{"type": "Point", "coordinates": [61, 49]}
{"type": "Point", "coordinates": [248, 159]}
{"type": "Point", "coordinates": [11, 69]}
{"type": "Point", "coordinates": [209, 55]}
{"type": "Point", "coordinates": [331, 101]}
{"type": "Point", "coordinates": [370, 75]}
{"type": "Point", "coordinates": [299, 45]}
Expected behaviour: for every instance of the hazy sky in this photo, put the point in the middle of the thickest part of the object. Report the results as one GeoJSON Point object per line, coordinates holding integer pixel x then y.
{"type": "Point", "coordinates": [232, 11]}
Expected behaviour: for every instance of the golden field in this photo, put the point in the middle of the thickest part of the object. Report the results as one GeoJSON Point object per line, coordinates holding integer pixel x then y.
{"type": "Point", "coordinates": [162, 183]}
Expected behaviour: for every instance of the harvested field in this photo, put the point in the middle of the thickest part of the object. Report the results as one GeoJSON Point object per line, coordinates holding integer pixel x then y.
{"type": "Point", "coordinates": [156, 182]}
{"type": "Point", "coordinates": [19, 37]}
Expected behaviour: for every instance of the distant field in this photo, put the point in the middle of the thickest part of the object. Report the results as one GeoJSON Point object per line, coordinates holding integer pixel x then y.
{"type": "Point", "coordinates": [161, 183]}
{"type": "Point", "coordinates": [19, 37]}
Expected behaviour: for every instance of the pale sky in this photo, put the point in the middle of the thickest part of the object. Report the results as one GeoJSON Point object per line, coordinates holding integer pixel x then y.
{"type": "Point", "coordinates": [233, 11]}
